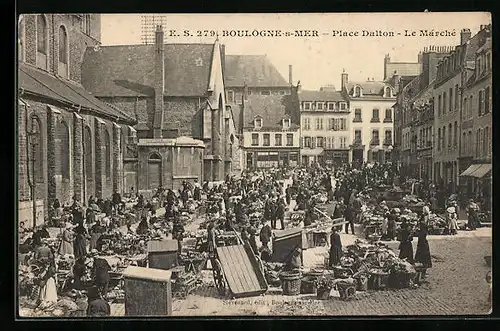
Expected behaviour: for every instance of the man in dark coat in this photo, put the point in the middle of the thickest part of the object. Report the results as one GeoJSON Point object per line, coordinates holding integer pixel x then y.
{"type": "Point", "coordinates": [101, 271]}
{"type": "Point", "coordinates": [280, 213]}
{"type": "Point", "coordinates": [423, 253]}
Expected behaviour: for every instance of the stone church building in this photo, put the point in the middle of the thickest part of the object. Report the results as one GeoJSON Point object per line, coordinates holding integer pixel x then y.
{"type": "Point", "coordinates": [70, 143]}
{"type": "Point", "coordinates": [176, 94]}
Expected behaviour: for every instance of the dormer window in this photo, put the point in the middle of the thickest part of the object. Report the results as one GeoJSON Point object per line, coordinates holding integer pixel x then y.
{"type": "Point", "coordinates": [286, 123]}
{"type": "Point", "coordinates": [257, 123]}
{"type": "Point", "coordinates": [343, 106]}
{"type": "Point", "coordinates": [387, 92]}
{"type": "Point", "coordinates": [307, 106]}
{"type": "Point", "coordinates": [331, 106]}
{"type": "Point", "coordinates": [357, 91]}
{"type": "Point", "coordinates": [319, 105]}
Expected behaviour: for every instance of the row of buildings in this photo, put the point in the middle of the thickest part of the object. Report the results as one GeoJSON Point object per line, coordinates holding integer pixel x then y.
{"type": "Point", "coordinates": [94, 120]}
{"type": "Point", "coordinates": [443, 118]}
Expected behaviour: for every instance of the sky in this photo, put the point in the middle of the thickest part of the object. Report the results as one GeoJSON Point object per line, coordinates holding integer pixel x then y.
{"type": "Point", "coordinates": [316, 61]}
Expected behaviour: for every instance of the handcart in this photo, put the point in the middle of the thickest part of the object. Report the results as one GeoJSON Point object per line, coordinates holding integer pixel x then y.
{"type": "Point", "coordinates": [237, 271]}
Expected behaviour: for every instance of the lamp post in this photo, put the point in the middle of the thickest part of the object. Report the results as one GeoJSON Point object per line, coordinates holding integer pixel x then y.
{"type": "Point", "coordinates": [33, 138]}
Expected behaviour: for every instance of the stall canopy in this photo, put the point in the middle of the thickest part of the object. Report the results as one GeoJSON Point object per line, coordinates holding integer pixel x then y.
{"type": "Point", "coordinates": [477, 170]}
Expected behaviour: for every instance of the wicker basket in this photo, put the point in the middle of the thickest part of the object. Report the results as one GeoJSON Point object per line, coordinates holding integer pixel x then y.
{"type": "Point", "coordinates": [362, 283]}
{"type": "Point", "coordinates": [346, 291]}
{"type": "Point", "coordinates": [308, 286]}
{"type": "Point", "coordinates": [290, 282]}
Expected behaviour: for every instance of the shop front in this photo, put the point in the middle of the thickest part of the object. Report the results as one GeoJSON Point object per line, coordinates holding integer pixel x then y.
{"type": "Point", "coordinates": [271, 159]}
{"type": "Point", "coordinates": [335, 157]}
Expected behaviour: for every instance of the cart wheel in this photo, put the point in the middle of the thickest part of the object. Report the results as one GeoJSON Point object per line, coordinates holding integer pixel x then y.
{"type": "Point", "coordinates": [219, 279]}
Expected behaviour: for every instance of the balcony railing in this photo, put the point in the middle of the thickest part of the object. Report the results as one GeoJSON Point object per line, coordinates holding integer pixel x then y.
{"type": "Point", "coordinates": [388, 142]}
{"type": "Point", "coordinates": [387, 120]}
{"type": "Point", "coordinates": [375, 142]}
{"type": "Point", "coordinates": [375, 120]}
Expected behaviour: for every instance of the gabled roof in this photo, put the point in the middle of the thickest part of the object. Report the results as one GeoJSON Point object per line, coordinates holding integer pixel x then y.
{"type": "Point", "coordinates": [271, 108]}
{"type": "Point", "coordinates": [42, 84]}
{"type": "Point", "coordinates": [402, 69]}
{"type": "Point", "coordinates": [369, 88]}
{"type": "Point", "coordinates": [320, 96]}
{"type": "Point", "coordinates": [129, 70]}
{"type": "Point", "coordinates": [254, 70]}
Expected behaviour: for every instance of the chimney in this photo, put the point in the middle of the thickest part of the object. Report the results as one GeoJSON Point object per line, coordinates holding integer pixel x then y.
{"type": "Point", "coordinates": [344, 80]}
{"type": "Point", "coordinates": [245, 92]}
{"type": "Point", "coordinates": [465, 35]}
{"type": "Point", "coordinates": [159, 86]}
{"type": "Point", "coordinates": [290, 81]}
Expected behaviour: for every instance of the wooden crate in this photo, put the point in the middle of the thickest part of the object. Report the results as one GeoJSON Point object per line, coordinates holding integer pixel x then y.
{"type": "Point", "coordinates": [162, 254]}
{"type": "Point", "coordinates": [148, 292]}
{"type": "Point", "coordinates": [285, 242]}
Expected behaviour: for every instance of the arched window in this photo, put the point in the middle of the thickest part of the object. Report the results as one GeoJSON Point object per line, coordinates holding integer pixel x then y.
{"type": "Point", "coordinates": [154, 171]}
{"type": "Point", "coordinates": [20, 39]}
{"type": "Point", "coordinates": [107, 154]}
{"type": "Point", "coordinates": [62, 68]}
{"type": "Point", "coordinates": [63, 133]}
{"type": "Point", "coordinates": [357, 91]}
{"type": "Point", "coordinates": [36, 127]}
{"type": "Point", "coordinates": [42, 43]}
{"type": "Point", "coordinates": [87, 147]}
{"type": "Point", "coordinates": [387, 92]}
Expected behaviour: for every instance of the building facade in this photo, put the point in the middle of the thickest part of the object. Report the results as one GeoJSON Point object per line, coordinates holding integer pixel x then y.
{"type": "Point", "coordinates": [270, 130]}
{"type": "Point", "coordinates": [448, 89]}
{"type": "Point", "coordinates": [174, 91]}
{"type": "Point", "coordinates": [371, 119]}
{"type": "Point", "coordinates": [476, 124]}
{"type": "Point", "coordinates": [324, 127]}
{"type": "Point", "coordinates": [70, 143]}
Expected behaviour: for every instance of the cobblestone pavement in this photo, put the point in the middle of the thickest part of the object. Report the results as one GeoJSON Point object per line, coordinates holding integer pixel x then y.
{"type": "Point", "coordinates": [455, 285]}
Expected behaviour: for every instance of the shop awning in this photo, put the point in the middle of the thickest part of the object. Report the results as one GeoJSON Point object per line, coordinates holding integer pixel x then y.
{"type": "Point", "coordinates": [476, 170]}
{"type": "Point", "coordinates": [481, 171]}
{"type": "Point", "coordinates": [469, 170]}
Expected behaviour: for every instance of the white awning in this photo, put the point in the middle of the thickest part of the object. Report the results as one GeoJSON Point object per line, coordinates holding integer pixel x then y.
{"type": "Point", "coordinates": [116, 125]}
{"type": "Point", "coordinates": [77, 116]}
{"type": "Point", "coordinates": [100, 121]}
{"type": "Point", "coordinates": [132, 129]}
{"type": "Point", "coordinates": [481, 171]}
{"type": "Point", "coordinates": [470, 169]}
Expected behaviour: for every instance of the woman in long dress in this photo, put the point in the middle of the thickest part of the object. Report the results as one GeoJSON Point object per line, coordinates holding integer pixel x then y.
{"type": "Point", "coordinates": [48, 289]}
{"type": "Point", "coordinates": [405, 246]}
{"type": "Point", "coordinates": [95, 233]}
{"type": "Point", "coordinates": [335, 248]}
{"type": "Point", "coordinates": [66, 247]}
{"type": "Point", "coordinates": [80, 243]}
{"type": "Point", "coordinates": [451, 218]}
{"type": "Point", "coordinates": [423, 253]}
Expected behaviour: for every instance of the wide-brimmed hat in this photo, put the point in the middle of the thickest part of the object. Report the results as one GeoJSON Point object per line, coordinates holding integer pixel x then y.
{"type": "Point", "coordinates": [94, 252]}
{"type": "Point", "coordinates": [451, 210]}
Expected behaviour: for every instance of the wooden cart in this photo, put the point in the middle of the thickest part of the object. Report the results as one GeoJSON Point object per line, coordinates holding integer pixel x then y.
{"type": "Point", "coordinates": [237, 271]}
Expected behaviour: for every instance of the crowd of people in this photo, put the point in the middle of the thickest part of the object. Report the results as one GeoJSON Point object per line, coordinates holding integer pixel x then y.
{"type": "Point", "coordinates": [253, 205]}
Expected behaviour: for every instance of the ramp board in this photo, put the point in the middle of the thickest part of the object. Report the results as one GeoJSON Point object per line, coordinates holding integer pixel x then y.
{"type": "Point", "coordinates": [240, 267]}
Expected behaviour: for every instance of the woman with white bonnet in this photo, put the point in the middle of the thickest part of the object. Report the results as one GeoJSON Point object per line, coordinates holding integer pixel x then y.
{"type": "Point", "coordinates": [451, 218]}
